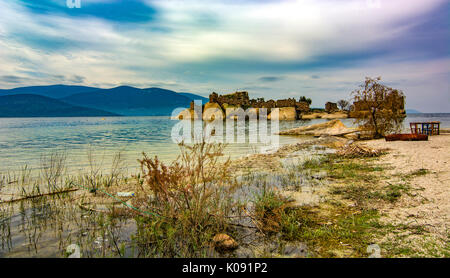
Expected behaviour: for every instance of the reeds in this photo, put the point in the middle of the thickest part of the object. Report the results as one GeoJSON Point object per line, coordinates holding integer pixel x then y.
{"type": "Point", "coordinates": [53, 168]}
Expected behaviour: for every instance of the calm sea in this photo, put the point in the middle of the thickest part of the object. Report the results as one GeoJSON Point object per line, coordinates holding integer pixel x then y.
{"type": "Point", "coordinates": [24, 141]}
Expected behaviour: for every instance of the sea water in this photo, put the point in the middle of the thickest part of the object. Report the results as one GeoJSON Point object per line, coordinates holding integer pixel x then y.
{"type": "Point", "coordinates": [26, 141]}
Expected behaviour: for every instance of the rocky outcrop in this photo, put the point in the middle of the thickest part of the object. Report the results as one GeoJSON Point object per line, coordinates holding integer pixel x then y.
{"type": "Point", "coordinates": [224, 242]}
{"type": "Point", "coordinates": [331, 128]}
{"type": "Point", "coordinates": [323, 115]}
{"type": "Point", "coordinates": [283, 114]}
{"type": "Point", "coordinates": [337, 115]}
{"type": "Point", "coordinates": [212, 111]}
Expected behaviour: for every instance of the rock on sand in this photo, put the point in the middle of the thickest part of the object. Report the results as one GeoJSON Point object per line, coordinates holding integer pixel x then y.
{"type": "Point", "coordinates": [331, 128]}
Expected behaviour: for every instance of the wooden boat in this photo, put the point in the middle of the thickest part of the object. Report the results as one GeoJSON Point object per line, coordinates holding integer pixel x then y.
{"type": "Point", "coordinates": [406, 137]}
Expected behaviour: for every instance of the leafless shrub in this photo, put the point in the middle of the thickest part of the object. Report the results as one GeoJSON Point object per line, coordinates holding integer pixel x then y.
{"type": "Point", "coordinates": [378, 109]}
{"type": "Point", "coordinates": [343, 104]}
{"type": "Point", "coordinates": [193, 196]}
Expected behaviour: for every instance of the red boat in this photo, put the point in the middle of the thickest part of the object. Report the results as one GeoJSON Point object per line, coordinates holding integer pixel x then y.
{"type": "Point", "coordinates": [406, 137]}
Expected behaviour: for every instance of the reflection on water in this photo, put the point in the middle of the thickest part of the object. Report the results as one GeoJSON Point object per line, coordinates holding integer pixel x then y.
{"type": "Point", "coordinates": [24, 140]}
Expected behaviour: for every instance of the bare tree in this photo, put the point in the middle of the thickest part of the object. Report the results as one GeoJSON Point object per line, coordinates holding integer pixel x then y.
{"type": "Point", "coordinates": [378, 109]}
{"type": "Point", "coordinates": [343, 104]}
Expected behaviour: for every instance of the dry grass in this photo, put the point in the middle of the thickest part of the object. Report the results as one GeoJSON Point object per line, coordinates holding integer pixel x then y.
{"type": "Point", "coordinates": [193, 198]}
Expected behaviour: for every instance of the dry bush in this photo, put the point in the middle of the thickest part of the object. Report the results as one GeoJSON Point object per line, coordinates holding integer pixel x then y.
{"type": "Point", "coordinates": [193, 195]}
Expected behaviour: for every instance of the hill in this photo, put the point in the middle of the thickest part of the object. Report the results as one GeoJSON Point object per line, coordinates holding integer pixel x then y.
{"type": "Point", "coordinates": [131, 101]}
{"type": "Point", "coordinates": [52, 91]}
{"type": "Point", "coordinates": [124, 100]}
{"type": "Point", "coordinates": [27, 105]}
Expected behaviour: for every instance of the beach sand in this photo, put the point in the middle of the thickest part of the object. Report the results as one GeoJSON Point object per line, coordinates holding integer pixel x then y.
{"type": "Point", "coordinates": [429, 206]}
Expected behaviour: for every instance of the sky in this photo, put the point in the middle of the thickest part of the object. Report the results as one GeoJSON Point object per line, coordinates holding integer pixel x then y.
{"type": "Point", "coordinates": [274, 49]}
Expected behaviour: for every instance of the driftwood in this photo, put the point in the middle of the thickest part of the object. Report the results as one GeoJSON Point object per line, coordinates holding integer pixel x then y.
{"type": "Point", "coordinates": [39, 195]}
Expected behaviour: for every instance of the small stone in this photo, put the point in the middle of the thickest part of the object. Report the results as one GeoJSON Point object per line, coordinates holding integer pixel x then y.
{"type": "Point", "coordinates": [224, 242]}
{"type": "Point", "coordinates": [295, 250]}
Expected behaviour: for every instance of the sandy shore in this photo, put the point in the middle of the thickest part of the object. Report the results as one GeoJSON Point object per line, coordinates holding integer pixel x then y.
{"type": "Point", "coordinates": [430, 205]}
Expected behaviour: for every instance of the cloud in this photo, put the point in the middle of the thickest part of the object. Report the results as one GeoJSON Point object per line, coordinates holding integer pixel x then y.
{"type": "Point", "coordinates": [13, 79]}
{"type": "Point", "coordinates": [203, 46]}
{"type": "Point", "coordinates": [77, 79]}
{"type": "Point", "coordinates": [270, 78]}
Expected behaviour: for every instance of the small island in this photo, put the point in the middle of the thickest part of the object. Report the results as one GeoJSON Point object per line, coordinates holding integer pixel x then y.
{"type": "Point", "coordinates": [290, 109]}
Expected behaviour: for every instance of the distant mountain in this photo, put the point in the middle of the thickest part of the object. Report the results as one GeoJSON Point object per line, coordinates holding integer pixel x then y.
{"type": "Point", "coordinates": [53, 91]}
{"type": "Point", "coordinates": [27, 105]}
{"type": "Point", "coordinates": [195, 97]}
{"type": "Point", "coordinates": [131, 101]}
{"type": "Point", "coordinates": [412, 111]}
{"type": "Point", "coordinates": [123, 100]}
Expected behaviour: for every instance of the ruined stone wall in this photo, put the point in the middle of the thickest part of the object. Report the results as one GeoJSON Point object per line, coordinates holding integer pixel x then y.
{"type": "Point", "coordinates": [331, 107]}
{"type": "Point", "coordinates": [213, 97]}
{"type": "Point", "coordinates": [359, 106]}
{"type": "Point", "coordinates": [235, 99]}
{"type": "Point", "coordinates": [261, 103]}
{"type": "Point", "coordinates": [395, 102]}
{"type": "Point", "coordinates": [241, 99]}
{"type": "Point", "coordinates": [302, 106]}
{"type": "Point", "coordinates": [290, 102]}
{"type": "Point", "coordinates": [364, 106]}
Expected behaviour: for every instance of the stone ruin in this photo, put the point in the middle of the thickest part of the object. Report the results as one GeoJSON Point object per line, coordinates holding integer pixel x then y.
{"type": "Point", "coordinates": [289, 109]}
{"type": "Point", "coordinates": [362, 107]}
{"type": "Point", "coordinates": [331, 107]}
{"type": "Point", "coordinates": [302, 106]}
{"type": "Point", "coordinates": [241, 99]}
{"type": "Point", "coordinates": [358, 106]}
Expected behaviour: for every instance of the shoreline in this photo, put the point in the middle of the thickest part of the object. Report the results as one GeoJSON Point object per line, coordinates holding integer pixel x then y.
{"type": "Point", "coordinates": [335, 206]}
{"type": "Point", "coordinates": [415, 179]}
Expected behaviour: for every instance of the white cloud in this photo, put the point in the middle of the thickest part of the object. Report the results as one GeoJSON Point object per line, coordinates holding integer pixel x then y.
{"type": "Point", "coordinates": [198, 32]}
{"type": "Point", "coordinates": [283, 30]}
